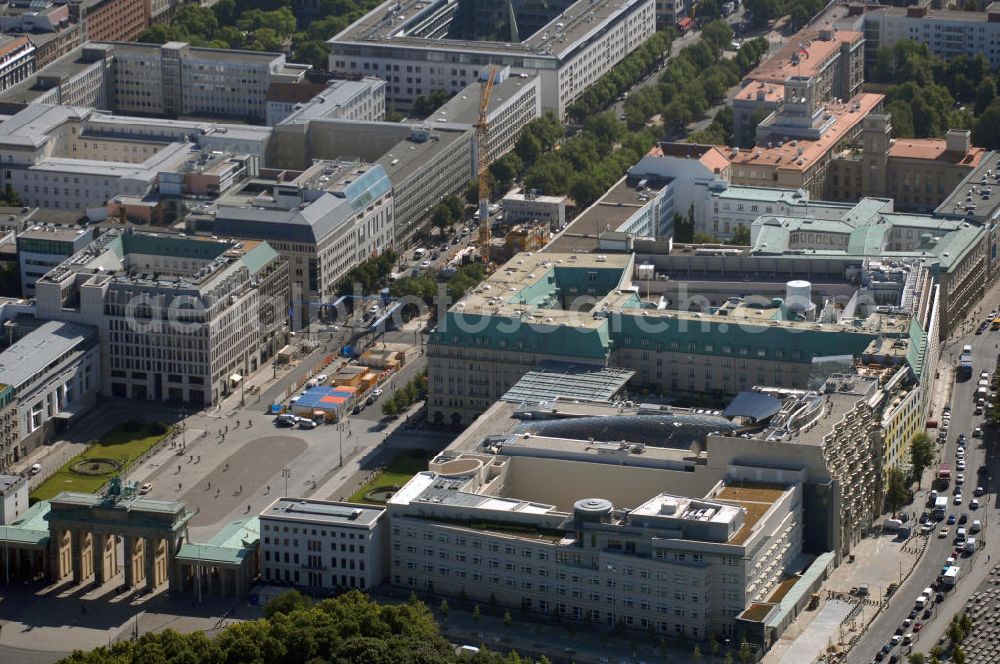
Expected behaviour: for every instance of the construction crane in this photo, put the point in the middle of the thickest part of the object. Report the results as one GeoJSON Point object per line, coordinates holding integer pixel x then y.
{"type": "Point", "coordinates": [483, 165]}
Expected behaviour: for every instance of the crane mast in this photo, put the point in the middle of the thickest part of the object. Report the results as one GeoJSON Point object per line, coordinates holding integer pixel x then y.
{"type": "Point", "coordinates": [483, 165]}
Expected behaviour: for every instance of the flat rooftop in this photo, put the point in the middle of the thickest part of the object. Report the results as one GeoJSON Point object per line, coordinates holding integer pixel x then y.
{"type": "Point", "coordinates": [463, 108]}
{"type": "Point", "coordinates": [787, 61]}
{"type": "Point", "coordinates": [408, 157]}
{"type": "Point", "coordinates": [29, 356]}
{"type": "Point", "coordinates": [387, 25]}
{"type": "Point", "coordinates": [609, 212]}
{"type": "Point", "coordinates": [802, 154]}
{"type": "Point", "coordinates": [755, 500]}
{"type": "Point", "coordinates": [323, 512]}
{"type": "Point", "coordinates": [61, 233]}
{"type": "Point", "coordinates": [761, 91]}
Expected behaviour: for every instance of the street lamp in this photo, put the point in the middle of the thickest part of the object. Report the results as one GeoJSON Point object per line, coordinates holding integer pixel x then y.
{"type": "Point", "coordinates": [286, 472]}
{"type": "Point", "coordinates": [340, 435]}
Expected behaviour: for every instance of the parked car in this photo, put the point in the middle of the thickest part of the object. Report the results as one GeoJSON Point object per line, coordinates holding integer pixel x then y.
{"type": "Point", "coordinates": [306, 423]}
{"type": "Point", "coordinates": [145, 488]}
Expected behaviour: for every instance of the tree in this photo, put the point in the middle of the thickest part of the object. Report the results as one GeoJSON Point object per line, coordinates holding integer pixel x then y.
{"type": "Point", "coordinates": [986, 132]}
{"type": "Point", "coordinates": [955, 633]}
{"type": "Point", "coordinates": [476, 614]}
{"type": "Point", "coordinates": [443, 608]}
{"type": "Point", "coordinates": [287, 602]}
{"type": "Point", "coordinates": [696, 654]}
{"type": "Point", "coordinates": [917, 658]}
{"type": "Point", "coordinates": [741, 236]}
{"type": "Point", "coordinates": [441, 218]}
{"type": "Point", "coordinates": [958, 655]}
{"type": "Point", "coordinates": [746, 652]}
{"type": "Point", "coordinates": [986, 94]}
{"type": "Point", "coordinates": [897, 492]}
{"type": "Point", "coordinates": [921, 455]}
{"type": "Point", "coordinates": [506, 169]}
{"type": "Point", "coordinates": [713, 644]}
{"type": "Point", "coordinates": [390, 409]}
{"type": "Point", "coordinates": [728, 659]}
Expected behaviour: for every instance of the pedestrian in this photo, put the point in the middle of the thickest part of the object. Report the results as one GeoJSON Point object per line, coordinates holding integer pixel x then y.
{"type": "Point", "coordinates": [237, 424]}
{"type": "Point", "coordinates": [241, 488]}
{"type": "Point", "coordinates": [178, 486]}
{"type": "Point", "coordinates": [209, 485]}
{"type": "Point", "coordinates": [83, 609]}
{"type": "Point", "coordinates": [217, 490]}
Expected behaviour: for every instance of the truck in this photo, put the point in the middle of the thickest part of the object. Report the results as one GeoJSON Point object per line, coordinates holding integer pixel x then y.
{"type": "Point", "coordinates": [950, 576]}
{"type": "Point", "coordinates": [943, 476]}
{"type": "Point", "coordinates": [970, 545]}
{"type": "Point", "coordinates": [965, 364]}
{"type": "Point", "coordinates": [940, 507]}
{"type": "Point", "coordinates": [684, 24]}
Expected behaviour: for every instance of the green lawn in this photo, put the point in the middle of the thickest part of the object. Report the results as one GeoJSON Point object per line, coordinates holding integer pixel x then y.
{"type": "Point", "coordinates": [397, 472]}
{"type": "Point", "coordinates": [125, 443]}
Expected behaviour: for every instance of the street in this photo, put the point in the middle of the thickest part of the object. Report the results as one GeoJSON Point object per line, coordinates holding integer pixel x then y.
{"type": "Point", "coordinates": [974, 568]}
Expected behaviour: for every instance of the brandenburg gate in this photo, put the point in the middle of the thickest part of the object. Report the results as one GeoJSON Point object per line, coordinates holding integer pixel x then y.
{"type": "Point", "coordinates": [87, 529]}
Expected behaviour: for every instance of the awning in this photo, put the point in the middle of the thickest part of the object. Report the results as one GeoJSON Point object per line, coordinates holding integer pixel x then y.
{"type": "Point", "coordinates": [235, 379]}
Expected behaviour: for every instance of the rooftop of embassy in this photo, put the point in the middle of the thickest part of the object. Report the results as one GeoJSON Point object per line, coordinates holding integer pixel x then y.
{"type": "Point", "coordinates": [730, 520]}
{"type": "Point", "coordinates": [391, 23]}
{"type": "Point", "coordinates": [802, 154]}
{"type": "Point", "coordinates": [820, 46]}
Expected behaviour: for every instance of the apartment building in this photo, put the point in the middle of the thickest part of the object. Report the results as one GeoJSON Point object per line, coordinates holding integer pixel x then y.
{"type": "Point", "coordinates": [42, 247]}
{"type": "Point", "coordinates": [323, 546]}
{"type": "Point", "coordinates": [634, 207]}
{"type": "Point", "coordinates": [481, 526]}
{"type": "Point", "coordinates": [831, 60]}
{"type": "Point", "coordinates": [17, 59]}
{"type": "Point", "coordinates": [411, 46]}
{"type": "Point", "coordinates": [521, 206]}
{"type": "Point", "coordinates": [515, 101]}
{"type": "Point", "coordinates": [179, 319]}
{"type": "Point", "coordinates": [76, 78]}
{"type": "Point", "coordinates": [425, 161]}
{"type": "Point", "coordinates": [53, 374]}
{"type": "Point", "coordinates": [323, 222]}
{"type": "Point", "coordinates": [177, 80]}
{"type": "Point", "coordinates": [73, 158]}
{"type": "Point", "coordinates": [111, 20]}
{"type": "Point", "coordinates": [9, 430]}
{"type": "Point", "coordinates": [362, 100]}
{"type": "Point", "coordinates": [948, 33]}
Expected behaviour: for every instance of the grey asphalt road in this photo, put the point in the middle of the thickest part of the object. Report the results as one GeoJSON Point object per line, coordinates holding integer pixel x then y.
{"type": "Point", "coordinates": [938, 549]}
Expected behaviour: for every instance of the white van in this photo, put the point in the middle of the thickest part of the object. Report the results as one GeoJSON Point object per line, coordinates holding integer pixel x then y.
{"type": "Point", "coordinates": [976, 526]}
{"type": "Point", "coordinates": [921, 602]}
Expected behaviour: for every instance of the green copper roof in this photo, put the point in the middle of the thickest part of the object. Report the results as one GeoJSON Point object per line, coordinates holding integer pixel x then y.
{"type": "Point", "coordinates": [31, 529]}
{"type": "Point", "coordinates": [504, 333]}
{"type": "Point", "coordinates": [258, 257]}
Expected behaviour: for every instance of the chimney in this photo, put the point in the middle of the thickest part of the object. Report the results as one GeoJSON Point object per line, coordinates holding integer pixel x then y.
{"type": "Point", "coordinates": [958, 141]}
